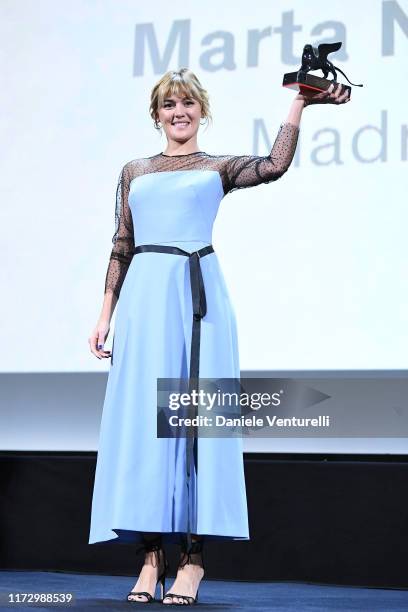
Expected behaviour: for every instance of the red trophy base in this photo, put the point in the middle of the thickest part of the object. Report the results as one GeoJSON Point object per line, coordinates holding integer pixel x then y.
{"type": "Point", "coordinates": [308, 83]}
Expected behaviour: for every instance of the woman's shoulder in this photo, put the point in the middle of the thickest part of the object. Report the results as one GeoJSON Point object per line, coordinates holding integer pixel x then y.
{"type": "Point", "coordinates": [137, 165]}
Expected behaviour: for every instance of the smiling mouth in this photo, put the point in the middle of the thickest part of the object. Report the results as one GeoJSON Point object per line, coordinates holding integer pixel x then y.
{"type": "Point", "coordinates": [181, 123]}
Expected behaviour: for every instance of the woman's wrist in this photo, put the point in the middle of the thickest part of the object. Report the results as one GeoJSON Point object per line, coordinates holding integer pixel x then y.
{"type": "Point", "coordinates": [295, 111]}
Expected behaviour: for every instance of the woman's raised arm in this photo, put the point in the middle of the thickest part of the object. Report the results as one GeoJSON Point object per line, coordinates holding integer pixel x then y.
{"type": "Point", "coordinates": [251, 170]}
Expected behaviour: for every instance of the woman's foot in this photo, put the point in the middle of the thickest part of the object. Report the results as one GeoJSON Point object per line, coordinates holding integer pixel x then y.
{"type": "Point", "coordinates": [153, 567]}
{"type": "Point", "coordinates": [189, 575]}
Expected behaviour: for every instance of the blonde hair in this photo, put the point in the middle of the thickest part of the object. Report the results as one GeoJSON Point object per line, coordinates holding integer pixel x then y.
{"type": "Point", "coordinates": [177, 82]}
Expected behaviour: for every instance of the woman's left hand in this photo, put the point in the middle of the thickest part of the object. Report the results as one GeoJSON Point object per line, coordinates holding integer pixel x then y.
{"type": "Point", "coordinates": [332, 95]}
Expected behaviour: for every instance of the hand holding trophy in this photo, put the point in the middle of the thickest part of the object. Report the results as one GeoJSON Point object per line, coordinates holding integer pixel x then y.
{"type": "Point", "coordinates": [314, 89]}
{"type": "Point", "coordinates": [333, 95]}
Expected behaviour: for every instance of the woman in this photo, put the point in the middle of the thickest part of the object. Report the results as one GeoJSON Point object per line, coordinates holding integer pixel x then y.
{"type": "Point", "coordinates": [174, 320]}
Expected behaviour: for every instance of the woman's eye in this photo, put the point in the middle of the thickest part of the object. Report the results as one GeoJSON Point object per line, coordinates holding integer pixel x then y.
{"type": "Point", "coordinates": [168, 104]}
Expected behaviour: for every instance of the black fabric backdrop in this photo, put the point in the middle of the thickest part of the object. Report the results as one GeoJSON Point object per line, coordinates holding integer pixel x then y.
{"type": "Point", "coordinates": [316, 518]}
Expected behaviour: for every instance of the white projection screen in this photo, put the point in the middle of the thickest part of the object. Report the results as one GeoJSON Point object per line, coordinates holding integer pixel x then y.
{"type": "Point", "coordinates": [315, 263]}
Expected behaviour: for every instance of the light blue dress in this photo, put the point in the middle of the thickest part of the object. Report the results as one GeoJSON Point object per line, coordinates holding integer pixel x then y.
{"type": "Point", "coordinates": [140, 480]}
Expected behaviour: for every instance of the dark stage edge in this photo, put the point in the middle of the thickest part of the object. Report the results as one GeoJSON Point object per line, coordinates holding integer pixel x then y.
{"type": "Point", "coordinates": [315, 518]}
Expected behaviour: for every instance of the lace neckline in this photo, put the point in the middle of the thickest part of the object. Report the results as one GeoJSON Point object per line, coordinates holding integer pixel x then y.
{"type": "Point", "coordinates": [182, 154]}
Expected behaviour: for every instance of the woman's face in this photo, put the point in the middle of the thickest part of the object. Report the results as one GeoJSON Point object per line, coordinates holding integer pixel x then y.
{"type": "Point", "coordinates": [180, 117]}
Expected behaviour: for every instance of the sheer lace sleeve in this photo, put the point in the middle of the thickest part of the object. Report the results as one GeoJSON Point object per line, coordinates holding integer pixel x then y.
{"type": "Point", "coordinates": [250, 170]}
{"type": "Point", "coordinates": [123, 238]}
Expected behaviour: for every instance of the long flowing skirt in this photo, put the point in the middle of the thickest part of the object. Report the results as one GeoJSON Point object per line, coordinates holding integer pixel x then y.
{"type": "Point", "coordinates": [140, 480]}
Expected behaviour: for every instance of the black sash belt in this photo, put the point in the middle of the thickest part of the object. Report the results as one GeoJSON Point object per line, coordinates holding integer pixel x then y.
{"type": "Point", "coordinates": [199, 311]}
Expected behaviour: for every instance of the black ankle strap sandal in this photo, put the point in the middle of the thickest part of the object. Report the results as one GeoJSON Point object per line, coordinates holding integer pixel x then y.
{"type": "Point", "coordinates": [196, 548]}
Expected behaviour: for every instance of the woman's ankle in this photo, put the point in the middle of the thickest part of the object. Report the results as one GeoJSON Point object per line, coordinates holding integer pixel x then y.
{"type": "Point", "coordinates": [192, 556]}
{"type": "Point", "coordinates": [155, 558]}
{"type": "Point", "coordinates": [153, 547]}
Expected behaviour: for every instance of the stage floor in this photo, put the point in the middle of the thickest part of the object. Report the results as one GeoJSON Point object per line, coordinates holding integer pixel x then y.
{"type": "Point", "coordinates": [108, 593]}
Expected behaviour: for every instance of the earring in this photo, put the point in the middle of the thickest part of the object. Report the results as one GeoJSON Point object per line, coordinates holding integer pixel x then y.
{"type": "Point", "coordinates": [204, 122]}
